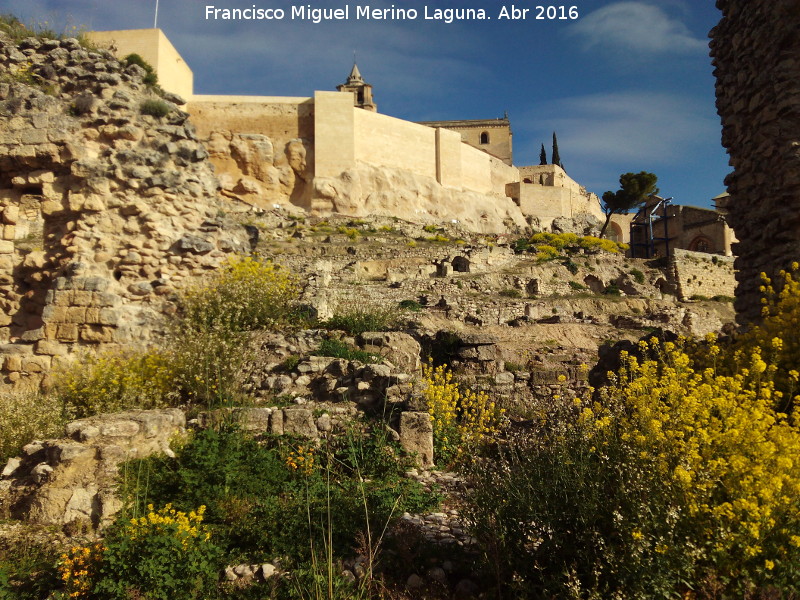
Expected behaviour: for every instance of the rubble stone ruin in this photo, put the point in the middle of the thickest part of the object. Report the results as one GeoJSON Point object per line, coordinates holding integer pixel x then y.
{"type": "Point", "coordinates": [756, 52]}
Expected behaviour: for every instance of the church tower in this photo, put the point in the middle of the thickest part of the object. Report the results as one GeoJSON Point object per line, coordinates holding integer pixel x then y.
{"type": "Point", "coordinates": [362, 91]}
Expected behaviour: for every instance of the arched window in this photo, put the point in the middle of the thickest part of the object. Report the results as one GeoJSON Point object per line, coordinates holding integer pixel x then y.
{"type": "Point", "coordinates": [701, 244]}
{"type": "Point", "coordinates": [484, 137]}
{"type": "Point", "coordinates": [614, 232]}
{"type": "Point", "coordinates": [527, 180]}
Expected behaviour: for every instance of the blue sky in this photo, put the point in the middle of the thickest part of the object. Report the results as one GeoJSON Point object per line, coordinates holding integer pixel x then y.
{"type": "Point", "coordinates": [628, 86]}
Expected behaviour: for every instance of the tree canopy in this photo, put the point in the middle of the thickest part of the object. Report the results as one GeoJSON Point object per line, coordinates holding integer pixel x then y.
{"type": "Point", "coordinates": [634, 190]}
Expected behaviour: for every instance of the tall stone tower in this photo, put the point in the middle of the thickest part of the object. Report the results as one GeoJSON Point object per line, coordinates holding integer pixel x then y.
{"type": "Point", "coordinates": [756, 51]}
{"type": "Point", "coordinates": [362, 91]}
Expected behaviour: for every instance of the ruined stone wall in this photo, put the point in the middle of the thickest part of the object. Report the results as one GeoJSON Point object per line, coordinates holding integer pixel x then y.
{"type": "Point", "coordinates": [105, 210]}
{"type": "Point", "coordinates": [703, 274]}
{"type": "Point", "coordinates": [755, 49]}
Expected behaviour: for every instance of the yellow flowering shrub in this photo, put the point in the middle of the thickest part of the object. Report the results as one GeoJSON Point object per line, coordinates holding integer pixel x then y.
{"type": "Point", "coordinates": [166, 554]}
{"type": "Point", "coordinates": [721, 445]}
{"type": "Point", "coordinates": [549, 246]}
{"type": "Point", "coordinates": [462, 420]}
{"type": "Point", "coordinates": [115, 381]}
{"type": "Point", "coordinates": [245, 294]}
{"type": "Point", "coordinates": [26, 416]}
{"type": "Point", "coordinates": [680, 478]}
{"type": "Point", "coordinates": [77, 569]}
{"type": "Point", "coordinates": [301, 460]}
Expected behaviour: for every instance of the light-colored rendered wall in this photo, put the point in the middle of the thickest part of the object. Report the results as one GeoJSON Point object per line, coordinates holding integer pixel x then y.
{"type": "Point", "coordinates": [549, 175]}
{"type": "Point", "coordinates": [384, 141]}
{"type": "Point", "coordinates": [174, 75]}
{"type": "Point", "coordinates": [501, 175]}
{"type": "Point", "coordinates": [499, 139]}
{"type": "Point", "coordinates": [335, 133]}
{"type": "Point", "coordinates": [553, 201]}
{"type": "Point", "coordinates": [476, 170]}
{"type": "Point", "coordinates": [280, 118]}
{"type": "Point", "coordinates": [448, 158]}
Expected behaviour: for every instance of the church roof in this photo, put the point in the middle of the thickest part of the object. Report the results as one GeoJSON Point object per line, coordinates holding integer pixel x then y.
{"type": "Point", "coordinates": [355, 75]}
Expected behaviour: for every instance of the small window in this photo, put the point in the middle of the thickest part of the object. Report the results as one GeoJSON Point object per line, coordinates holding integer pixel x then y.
{"type": "Point", "coordinates": [484, 138]}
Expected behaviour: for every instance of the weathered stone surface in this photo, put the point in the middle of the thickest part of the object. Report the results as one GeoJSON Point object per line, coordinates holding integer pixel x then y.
{"type": "Point", "coordinates": [416, 437]}
{"type": "Point", "coordinates": [299, 421]}
{"type": "Point", "coordinates": [59, 481]}
{"type": "Point", "coordinates": [755, 49]}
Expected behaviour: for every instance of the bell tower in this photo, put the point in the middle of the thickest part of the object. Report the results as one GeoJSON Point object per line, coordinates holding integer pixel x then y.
{"type": "Point", "coordinates": [362, 91]}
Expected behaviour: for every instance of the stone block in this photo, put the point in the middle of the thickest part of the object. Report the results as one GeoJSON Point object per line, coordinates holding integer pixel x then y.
{"type": "Point", "coordinates": [68, 332]}
{"type": "Point", "coordinates": [9, 232]}
{"type": "Point", "coordinates": [50, 348]}
{"type": "Point", "coordinates": [416, 437]}
{"type": "Point", "coordinates": [299, 421]}
{"type": "Point", "coordinates": [36, 364]}
{"type": "Point", "coordinates": [96, 334]}
{"type": "Point", "coordinates": [6, 247]}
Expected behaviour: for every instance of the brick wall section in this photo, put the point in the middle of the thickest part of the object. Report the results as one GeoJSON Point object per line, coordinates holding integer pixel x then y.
{"type": "Point", "coordinates": [755, 49]}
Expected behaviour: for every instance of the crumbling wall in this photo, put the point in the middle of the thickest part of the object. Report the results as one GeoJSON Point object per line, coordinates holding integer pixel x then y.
{"type": "Point", "coordinates": [755, 49]}
{"type": "Point", "coordinates": [702, 274]}
{"type": "Point", "coordinates": [105, 210]}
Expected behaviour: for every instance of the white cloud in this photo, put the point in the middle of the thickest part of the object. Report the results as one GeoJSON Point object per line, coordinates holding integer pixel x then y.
{"type": "Point", "coordinates": [637, 27]}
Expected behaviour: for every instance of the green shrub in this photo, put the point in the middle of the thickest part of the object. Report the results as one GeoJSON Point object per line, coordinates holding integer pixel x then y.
{"type": "Point", "coordinates": [338, 349]}
{"type": "Point", "coordinates": [164, 555]}
{"type": "Point", "coordinates": [246, 294]}
{"type": "Point", "coordinates": [155, 108]}
{"type": "Point", "coordinates": [411, 305]}
{"type": "Point", "coordinates": [638, 276]}
{"type": "Point", "coordinates": [578, 287]}
{"type": "Point", "coordinates": [26, 416]}
{"type": "Point", "coordinates": [150, 78]}
{"type": "Point", "coordinates": [699, 297]}
{"type": "Point", "coordinates": [359, 318]}
{"type": "Point", "coordinates": [275, 498]}
{"type": "Point", "coordinates": [114, 381]}
{"type": "Point", "coordinates": [722, 298]}
{"type": "Point", "coordinates": [511, 293]}
{"type": "Point", "coordinates": [430, 229]}
{"type": "Point", "coordinates": [571, 266]}
{"type": "Point", "coordinates": [612, 289]}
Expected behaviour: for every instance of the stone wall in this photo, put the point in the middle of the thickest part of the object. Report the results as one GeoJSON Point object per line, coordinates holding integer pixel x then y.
{"type": "Point", "coordinates": [105, 210]}
{"type": "Point", "coordinates": [755, 49]}
{"type": "Point", "coordinates": [702, 274]}
{"type": "Point", "coordinates": [261, 147]}
{"type": "Point", "coordinates": [153, 46]}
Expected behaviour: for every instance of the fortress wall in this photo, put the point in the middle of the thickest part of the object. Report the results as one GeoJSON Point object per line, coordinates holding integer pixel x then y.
{"type": "Point", "coordinates": [174, 75]}
{"type": "Point", "coordinates": [448, 158]}
{"type": "Point", "coordinates": [476, 170]}
{"type": "Point", "coordinates": [334, 133]}
{"type": "Point", "coordinates": [501, 174]}
{"type": "Point", "coordinates": [755, 49]}
{"type": "Point", "coordinates": [279, 118]}
{"type": "Point", "coordinates": [384, 141]}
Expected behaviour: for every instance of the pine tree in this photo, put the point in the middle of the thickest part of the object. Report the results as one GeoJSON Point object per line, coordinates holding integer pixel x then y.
{"type": "Point", "coordinates": [542, 156]}
{"type": "Point", "coordinates": [556, 157]}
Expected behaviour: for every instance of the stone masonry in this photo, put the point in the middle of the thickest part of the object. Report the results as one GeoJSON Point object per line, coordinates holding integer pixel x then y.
{"type": "Point", "coordinates": [755, 49]}
{"type": "Point", "coordinates": [105, 210]}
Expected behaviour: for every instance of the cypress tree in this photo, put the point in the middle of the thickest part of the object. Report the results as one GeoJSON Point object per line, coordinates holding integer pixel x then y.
{"type": "Point", "coordinates": [556, 157]}
{"type": "Point", "coordinates": [542, 156]}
